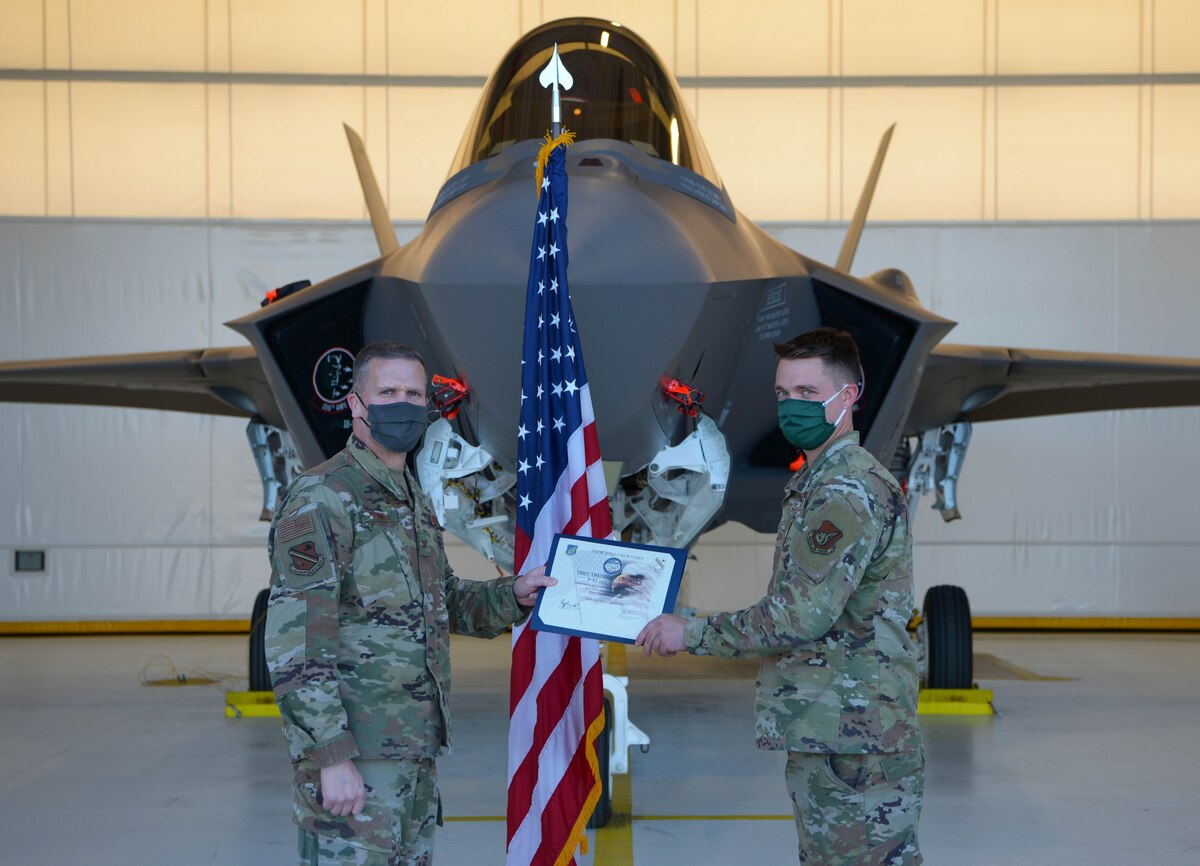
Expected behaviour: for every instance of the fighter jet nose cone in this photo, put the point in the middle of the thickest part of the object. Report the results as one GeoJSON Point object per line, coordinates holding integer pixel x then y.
{"type": "Point", "coordinates": [625, 225]}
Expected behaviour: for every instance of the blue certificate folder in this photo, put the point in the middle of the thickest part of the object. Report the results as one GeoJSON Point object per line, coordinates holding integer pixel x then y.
{"type": "Point", "coordinates": [607, 590]}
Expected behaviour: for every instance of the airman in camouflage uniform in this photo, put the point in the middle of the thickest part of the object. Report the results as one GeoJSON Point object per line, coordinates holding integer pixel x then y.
{"type": "Point", "coordinates": [357, 639]}
{"type": "Point", "coordinates": [837, 683]}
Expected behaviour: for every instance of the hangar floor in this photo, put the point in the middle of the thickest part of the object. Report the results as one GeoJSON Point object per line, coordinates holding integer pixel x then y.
{"type": "Point", "coordinates": [1101, 767]}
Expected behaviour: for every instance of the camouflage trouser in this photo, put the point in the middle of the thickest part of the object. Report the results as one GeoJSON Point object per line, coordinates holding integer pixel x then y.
{"type": "Point", "coordinates": [857, 810]}
{"type": "Point", "coordinates": [395, 827]}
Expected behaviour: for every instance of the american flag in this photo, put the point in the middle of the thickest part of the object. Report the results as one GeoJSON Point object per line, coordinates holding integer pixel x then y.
{"type": "Point", "coordinates": [556, 697]}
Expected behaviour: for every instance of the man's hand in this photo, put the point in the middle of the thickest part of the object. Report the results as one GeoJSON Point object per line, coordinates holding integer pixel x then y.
{"type": "Point", "coordinates": [664, 635]}
{"type": "Point", "coordinates": [526, 587]}
{"type": "Point", "coordinates": [342, 790]}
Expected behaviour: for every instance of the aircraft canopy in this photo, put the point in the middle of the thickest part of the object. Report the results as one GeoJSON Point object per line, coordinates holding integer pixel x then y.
{"type": "Point", "coordinates": [621, 91]}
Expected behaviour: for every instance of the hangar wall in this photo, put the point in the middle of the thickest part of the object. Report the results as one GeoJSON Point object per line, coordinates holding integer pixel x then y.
{"type": "Point", "coordinates": [153, 515]}
{"type": "Point", "coordinates": [161, 165]}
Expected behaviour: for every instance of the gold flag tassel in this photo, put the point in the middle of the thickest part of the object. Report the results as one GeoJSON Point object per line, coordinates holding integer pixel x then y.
{"type": "Point", "coordinates": [566, 139]}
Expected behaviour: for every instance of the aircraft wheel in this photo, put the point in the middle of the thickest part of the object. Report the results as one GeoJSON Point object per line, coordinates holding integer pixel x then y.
{"type": "Point", "coordinates": [602, 814]}
{"type": "Point", "coordinates": [946, 629]}
{"type": "Point", "coordinates": [260, 677]}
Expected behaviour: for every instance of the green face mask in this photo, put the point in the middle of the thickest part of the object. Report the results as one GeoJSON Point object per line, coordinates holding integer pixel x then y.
{"type": "Point", "coordinates": [803, 421]}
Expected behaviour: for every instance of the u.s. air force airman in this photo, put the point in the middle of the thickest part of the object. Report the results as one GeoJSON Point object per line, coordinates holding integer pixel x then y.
{"type": "Point", "coordinates": [837, 682]}
{"type": "Point", "coordinates": [357, 638]}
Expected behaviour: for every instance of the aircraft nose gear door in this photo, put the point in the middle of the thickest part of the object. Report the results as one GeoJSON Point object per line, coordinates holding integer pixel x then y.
{"type": "Point", "coordinates": [467, 487]}
{"type": "Point", "coordinates": [679, 492]}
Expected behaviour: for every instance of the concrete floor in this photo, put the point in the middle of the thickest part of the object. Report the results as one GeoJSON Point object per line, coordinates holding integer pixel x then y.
{"type": "Point", "coordinates": [1101, 768]}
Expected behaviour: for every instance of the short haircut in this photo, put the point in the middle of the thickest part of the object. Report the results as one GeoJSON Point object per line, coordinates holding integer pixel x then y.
{"type": "Point", "coordinates": [832, 345]}
{"type": "Point", "coordinates": [386, 349]}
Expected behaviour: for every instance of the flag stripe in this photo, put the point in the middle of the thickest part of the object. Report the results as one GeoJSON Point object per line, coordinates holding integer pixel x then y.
{"type": "Point", "coordinates": [601, 516]}
{"type": "Point", "coordinates": [580, 506]}
{"type": "Point", "coordinates": [547, 663]}
{"type": "Point", "coordinates": [555, 762]}
{"type": "Point", "coordinates": [577, 786]}
{"type": "Point", "coordinates": [546, 655]}
{"type": "Point", "coordinates": [591, 442]}
{"type": "Point", "coordinates": [553, 517]}
{"type": "Point", "coordinates": [552, 699]}
{"type": "Point", "coordinates": [524, 653]}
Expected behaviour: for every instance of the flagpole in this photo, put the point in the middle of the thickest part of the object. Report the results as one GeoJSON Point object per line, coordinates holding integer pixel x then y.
{"type": "Point", "coordinates": [555, 104]}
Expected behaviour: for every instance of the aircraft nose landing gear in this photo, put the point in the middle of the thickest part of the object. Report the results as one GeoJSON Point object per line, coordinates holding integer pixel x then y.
{"type": "Point", "coordinates": [944, 639]}
{"type": "Point", "coordinates": [260, 677]}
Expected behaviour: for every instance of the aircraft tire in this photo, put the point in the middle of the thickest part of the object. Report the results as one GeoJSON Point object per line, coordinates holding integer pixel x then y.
{"type": "Point", "coordinates": [602, 814]}
{"type": "Point", "coordinates": [948, 650]}
{"type": "Point", "coordinates": [260, 677]}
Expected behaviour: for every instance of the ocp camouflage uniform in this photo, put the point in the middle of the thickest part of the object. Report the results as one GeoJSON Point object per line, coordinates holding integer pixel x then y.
{"type": "Point", "coordinates": [357, 641]}
{"type": "Point", "coordinates": [837, 684]}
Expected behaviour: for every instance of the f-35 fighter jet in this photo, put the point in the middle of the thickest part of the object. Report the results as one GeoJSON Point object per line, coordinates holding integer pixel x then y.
{"type": "Point", "coordinates": [679, 297]}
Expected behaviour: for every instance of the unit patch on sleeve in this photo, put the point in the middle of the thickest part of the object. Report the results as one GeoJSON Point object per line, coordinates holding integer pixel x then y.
{"type": "Point", "coordinates": [304, 558]}
{"type": "Point", "coordinates": [824, 538]}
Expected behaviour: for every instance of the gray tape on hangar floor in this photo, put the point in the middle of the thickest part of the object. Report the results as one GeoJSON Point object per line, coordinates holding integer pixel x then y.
{"type": "Point", "coordinates": [1103, 767]}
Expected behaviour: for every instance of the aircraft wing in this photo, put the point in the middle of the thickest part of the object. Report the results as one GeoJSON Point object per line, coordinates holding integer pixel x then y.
{"type": "Point", "coordinates": [991, 383]}
{"type": "Point", "coordinates": [223, 381]}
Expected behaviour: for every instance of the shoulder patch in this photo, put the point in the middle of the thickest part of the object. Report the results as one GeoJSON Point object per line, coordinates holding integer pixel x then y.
{"type": "Point", "coordinates": [293, 527]}
{"type": "Point", "coordinates": [304, 558]}
{"type": "Point", "coordinates": [824, 538]}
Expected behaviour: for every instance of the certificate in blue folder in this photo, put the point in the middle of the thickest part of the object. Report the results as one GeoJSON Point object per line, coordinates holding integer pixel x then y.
{"type": "Point", "coordinates": [607, 590]}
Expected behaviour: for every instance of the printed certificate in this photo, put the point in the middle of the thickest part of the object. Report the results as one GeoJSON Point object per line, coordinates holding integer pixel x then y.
{"type": "Point", "coordinates": [607, 589]}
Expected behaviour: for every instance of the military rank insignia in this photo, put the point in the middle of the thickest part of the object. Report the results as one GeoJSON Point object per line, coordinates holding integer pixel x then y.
{"type": "Point", "coordinates": [304, 558]}
{"type": "Point", "coordinates": [824, 538]}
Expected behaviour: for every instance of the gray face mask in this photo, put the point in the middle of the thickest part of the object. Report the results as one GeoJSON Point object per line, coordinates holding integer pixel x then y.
{"type": "Point", "coordinates": [397, 426]}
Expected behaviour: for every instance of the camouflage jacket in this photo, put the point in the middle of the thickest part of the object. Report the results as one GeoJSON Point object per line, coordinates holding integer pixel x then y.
{"type": "Point", "coordinates": [362, 604]}
{"type": "Point", "coordinates": [838, 672]}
